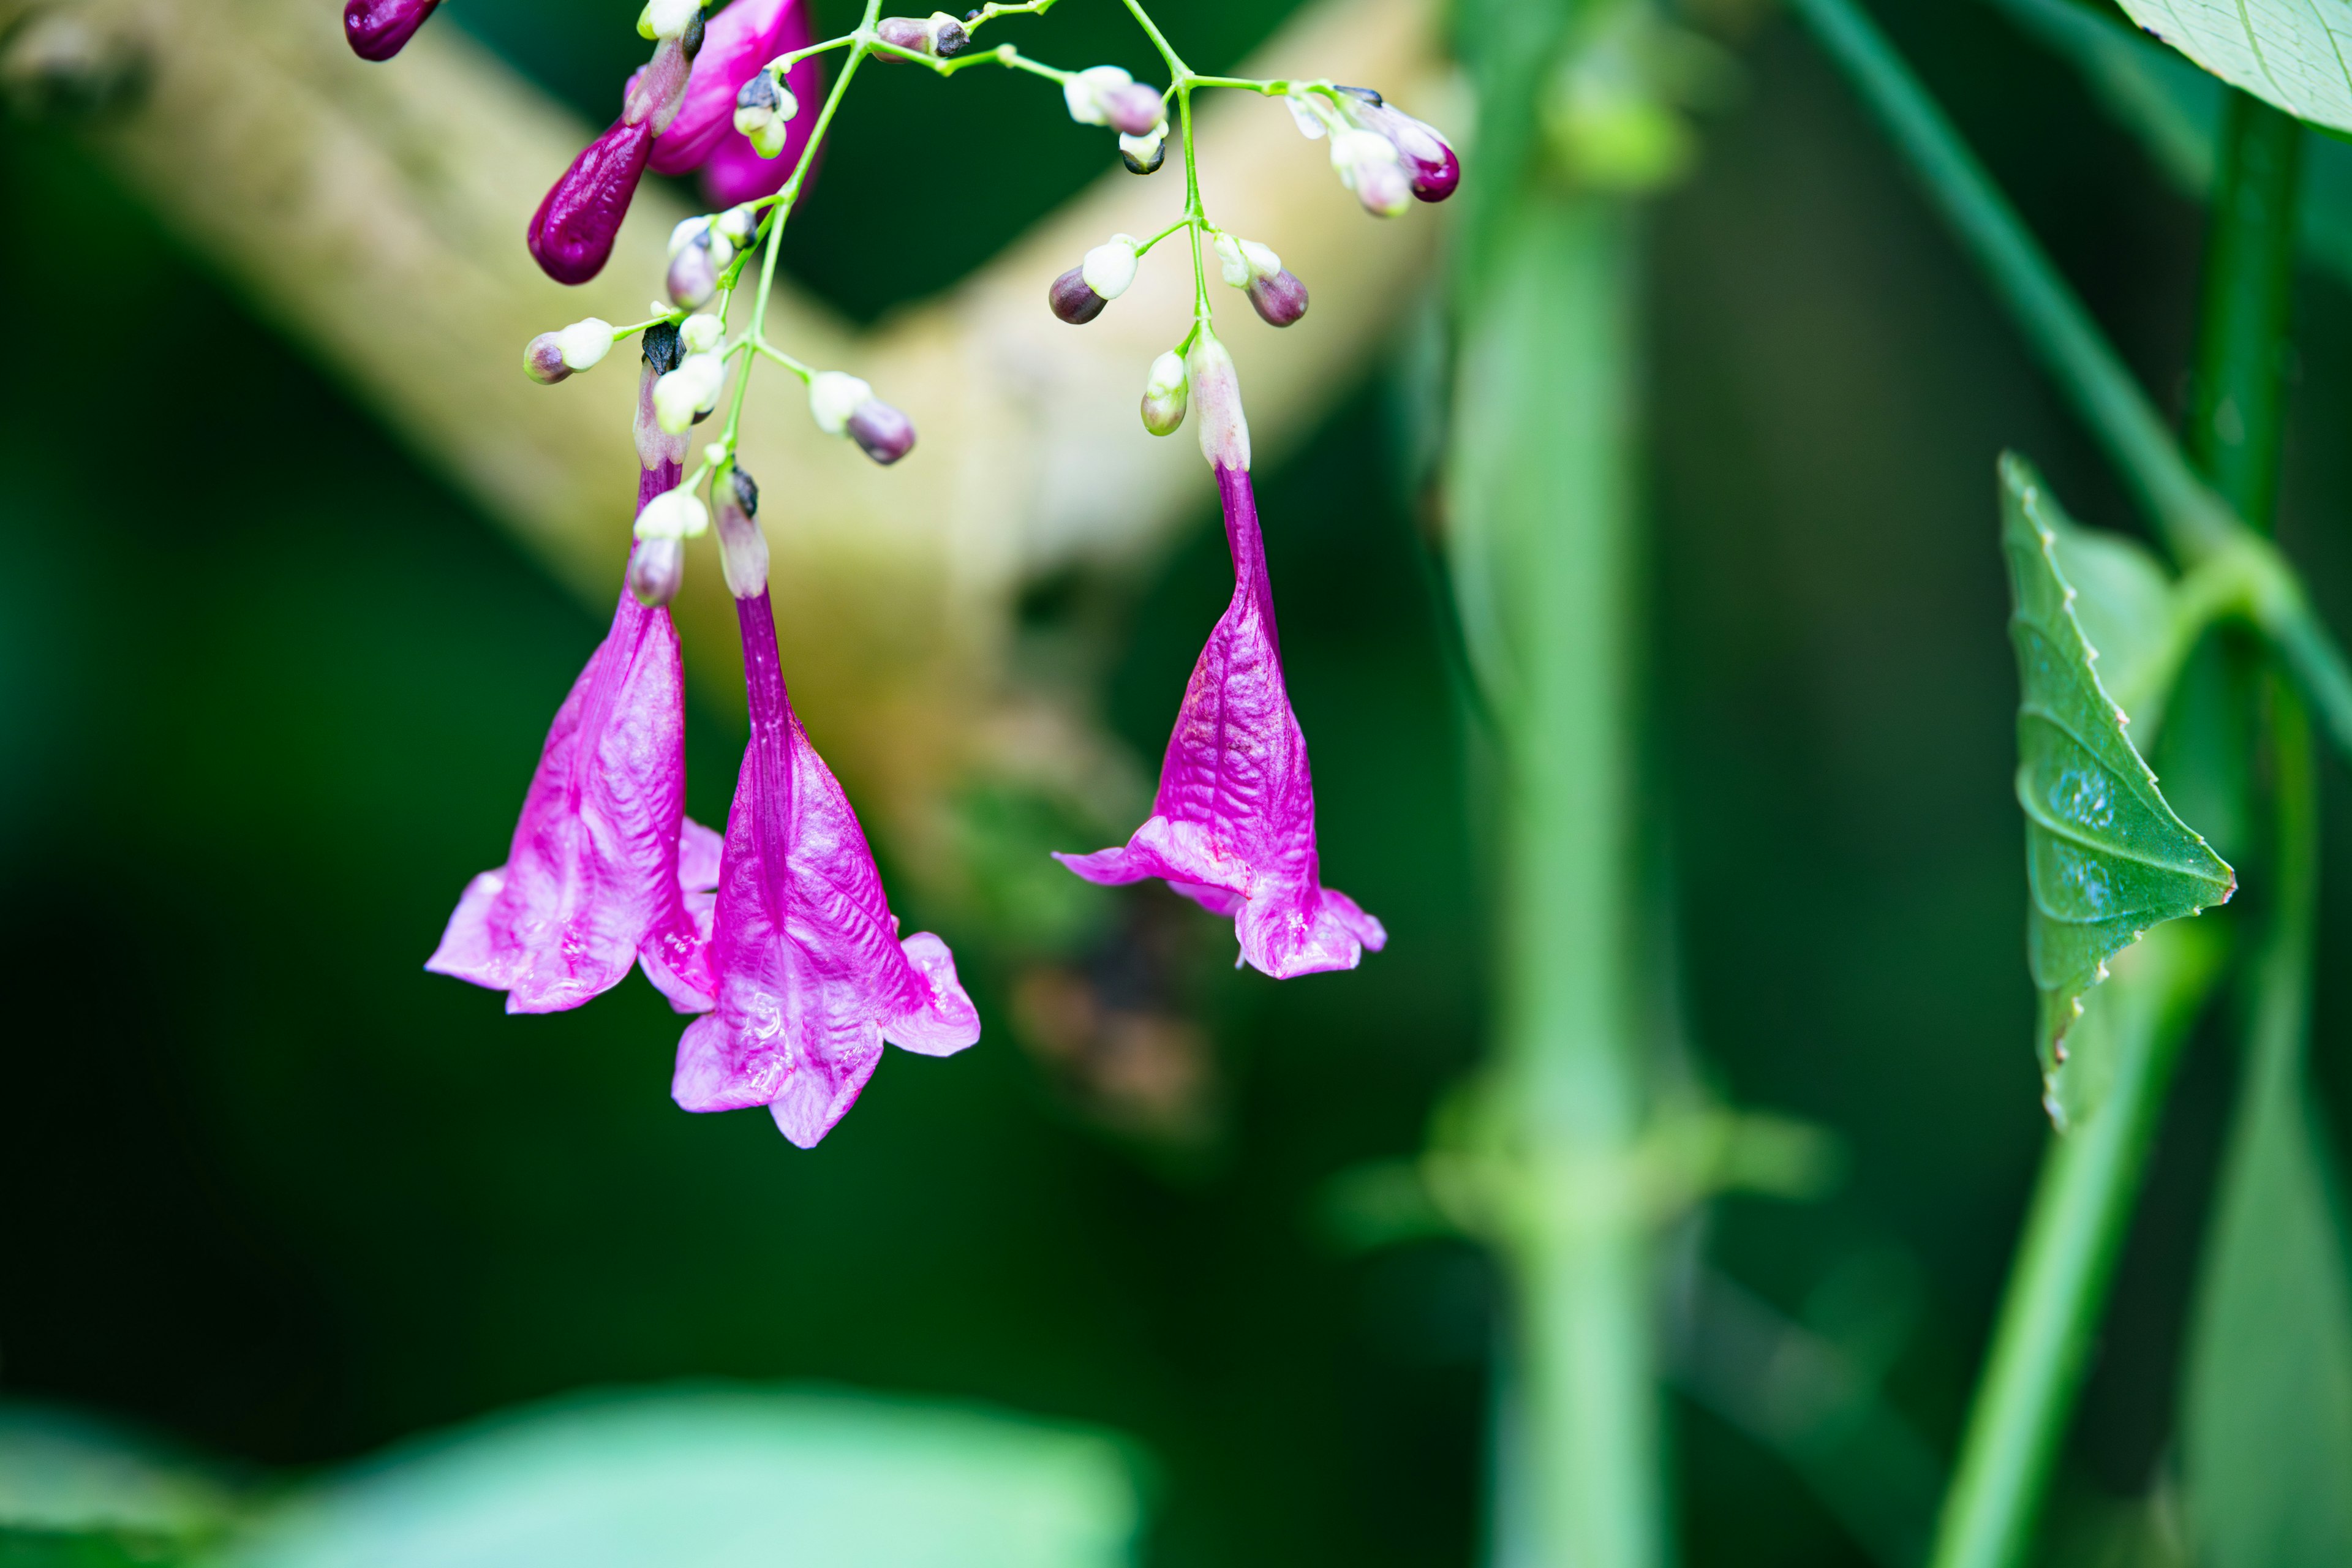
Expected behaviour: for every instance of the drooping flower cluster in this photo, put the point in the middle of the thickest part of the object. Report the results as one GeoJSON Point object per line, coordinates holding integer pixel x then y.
{"type": "Point", "coordinates": [777, 935]}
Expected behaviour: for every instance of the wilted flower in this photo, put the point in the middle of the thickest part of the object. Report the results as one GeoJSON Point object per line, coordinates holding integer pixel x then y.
{"type": "Point", "coordinates": [812, 975]}
{"type": "Point", "coordinates": [1232, 828]}
{"type": "Point", "coordinates": [604, 860]}
{"type": "Point", "coordinates": [379, 29]}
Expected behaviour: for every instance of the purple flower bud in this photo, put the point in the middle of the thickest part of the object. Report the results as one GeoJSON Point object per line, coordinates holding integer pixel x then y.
{"type": "Point", "coordinates": [743, 548]}
{"type": "Point", "coordinates": [1427, 157]}
{"type": "Point", "coordinates": [1280, 300]}
{"type": "Point", "coordinates": [379, 29]}
{"type": "Point", "coordinates": [1133, 109]}
{"type": "Point", "coordinates": [1071, 300]}
{"type": "Point", "coordinates": [572, 233]}
{"type": "Point", "coordinates": [542, 359]}
{"type": "Point", "coordinates": [693, 275]}
{"type": "Point", "coordinates": [656, 566]}
{"type": "Point", "coordinates": [882, 432]}
{"type": "Point", "coordinates": [939, 34]}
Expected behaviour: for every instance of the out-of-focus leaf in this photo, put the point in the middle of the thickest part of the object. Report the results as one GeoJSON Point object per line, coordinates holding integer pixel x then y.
{"type": "Point", "coordinates": [2148, 1005]}
{"type": "Point", "coordinates": [2267, 1423]}
{"type": "Point", "coordinates": [722, 1477]}
{"type": "Point", "coordinates": [63, 1472]}
{"type": "Point", "coordinates": [2105, 857]}
{"type": "Point", "coordinates": [2175, 109]}
{"type": "Point", "coordinates": [2291, 53]}
{"type": "Point", "coordinates": [2124, 603]}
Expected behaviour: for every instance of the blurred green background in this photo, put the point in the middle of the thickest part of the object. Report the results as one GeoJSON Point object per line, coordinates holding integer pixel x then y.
{"type": "Point", "coordinates": [269, 693]}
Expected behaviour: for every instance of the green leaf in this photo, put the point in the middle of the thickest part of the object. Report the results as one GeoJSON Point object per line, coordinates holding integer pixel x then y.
{"type": "Point", "coordinates": [2291, 53]}
{"type": "Point", "coordinates": [2105, 857]}
{"type": "Point", "coordinates": [2146, 1008]}
{"type": "Point", "coordinates": [722, 1477]}
{"type": "Point", "coordinates": [2267, 1419]}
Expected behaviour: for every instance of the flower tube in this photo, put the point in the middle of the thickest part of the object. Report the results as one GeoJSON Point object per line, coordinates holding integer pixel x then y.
{"type": "Point", "coordinates": [812, 975]}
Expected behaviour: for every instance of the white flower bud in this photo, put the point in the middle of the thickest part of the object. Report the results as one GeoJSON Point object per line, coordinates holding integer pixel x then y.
{"type": "Point", "coordinates": [1164, 394]}
{"type": "Point", "coordinates": [1305, 112]}
{"type": "Point", "coordinates": [1229, 258]}
{"type": "Point", "coordinates": [1263, 262]}
{"type": "Point", "coordinates": [740, 225]}
{"type": "Point", "coordinates": [688, 392]}
{"type": "Point", "coordinates": [584, 343]}
{"type": "Point", "coordinates": [1367, 165]}
{"type": "Point", "coordinates": [685, 234]}
{"type": "Point", "coordinates": [1109, 268]}
{"type": "Point", "coordinates": [667, 18]}
{"type": "Point", "coordinates": [834, 396]}
{"type": "Point", "coordinates": [701, 333]}
{"type": "Point", "coordinates": [1217, 390]}
{"type": "Point", "coordinates": [673, 515]}
{"type": "Point", "coordinates": [1089, 92]}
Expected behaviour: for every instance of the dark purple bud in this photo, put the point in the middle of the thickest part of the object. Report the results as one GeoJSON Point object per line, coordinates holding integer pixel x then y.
{"type": "Point", "coordinates": [1427, 157]}
{"type": "Point", "coordinates": [948, 36]}
{"type": "Point", "coordinates": [1279, 299]}
{"type": "Point", "coordinates": [379, 29]}
{"type": "Point", "coordinates": [1134, 109]}
{"type": "Point", "coordinates": [572, 233]}
{"type": "Point", "coordinates": [656, 566]}
{"type": "Point", "coordinates": [1071, 299]}
{"type": "Point", "coordinates": [542, 359]}
{"type": "Point", "coordinates": [881, 431]}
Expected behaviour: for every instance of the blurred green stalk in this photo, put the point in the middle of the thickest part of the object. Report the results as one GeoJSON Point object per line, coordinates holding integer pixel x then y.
{"type": "Point", "coordinates": [1540, 522]}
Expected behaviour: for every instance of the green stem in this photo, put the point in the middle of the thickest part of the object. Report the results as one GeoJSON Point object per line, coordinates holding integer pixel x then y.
{"type": "Point", "coordinates": [2193, 522]}
{"type": "Point", "coordinates": [2090, 1183]}
{"type": "Point", "coordinates": [1541, 508]}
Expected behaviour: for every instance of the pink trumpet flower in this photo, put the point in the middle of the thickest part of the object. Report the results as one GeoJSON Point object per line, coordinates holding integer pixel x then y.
{"type": "Point", "coordinates": [1232, 828]}
{"type": "Point", "coordinates": [737, 43]}
{"type": "Point", "coordinates": [813, 976]}
{"type": "Point", "coordinates": [605, 869]}
{"type": "Point", "coordinates": [379, 29]}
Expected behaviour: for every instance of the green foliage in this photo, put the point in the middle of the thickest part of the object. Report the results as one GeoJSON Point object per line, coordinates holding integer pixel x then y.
{"type": "Point", "coordinates": [2159, 987]}
{"type": "Point", "coordinates": [2290, 53]}
{"type": "Point", "coordinates": [2105, 857]}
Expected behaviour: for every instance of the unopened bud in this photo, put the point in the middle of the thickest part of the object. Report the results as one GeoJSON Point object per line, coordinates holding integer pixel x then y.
{"type": "Point", "coordinates": [661, 347]}
{"type": "Point", "coordinates": [1431, 168]}
{"type": "Point", "coordinates": [763, 107]}
{"type": "Point", "coordinates": [1071, 300]}
{"type": "Point", "coordinates": [1109, 268]}
{"type": "Point", "coordinates": [542, 359]}
{"type": "Point", "coordinates": [738, 226]}
{"type": "Point", "coordinates": [1307, 111]}
{"type": "Point", "coordinates": [881, 432]}
{"type": "Point", "coordinates": [1279, 299]}
{"type": "Point", "coordinates": [1143, 155]}
{"type": "Point", "coordinates": [1088, 95]}
{"type": "Point", "coordinates": [834, 396]}
{"type": "Point", "coordinates": [1217, 390]}
{"type": "Point", "coordinates": [663, 354]}
{"type": "Point", "coordinates": [1367, 165]}
{"type": "Point", "coordinates": [1134, 109]}
{"type": "Point", "coordinates": [656, 567]}
{"type": "Point", "coordinates": [693, 273]}
{"type": "Point", "coordinates": [701, 334]}
{"type": "Point", "coordinates": [1164, 394]}
{"type": "Point", "coordinates": [689, 392]}
{"type": "Point", "coordinates": [673, 515]}
{"type": "Point", "coordinates": [743, 548]}
{"type": "Point", "coordinates": [940, 35]}
{"type": "Point", "coordinates": [667, 18]}
{"type": "Point", "coordinates": [1242, 260]}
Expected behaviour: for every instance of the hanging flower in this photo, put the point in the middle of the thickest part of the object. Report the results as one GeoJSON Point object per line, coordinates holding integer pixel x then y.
{"type": "Point", "coordinates": [572, 233]}
{"type": "Point", "coordinates": [1232, 828]}
{"type": "Point", "coordinates": [604, 869]}
{"type": "Point", "coordinates": [812, 974]}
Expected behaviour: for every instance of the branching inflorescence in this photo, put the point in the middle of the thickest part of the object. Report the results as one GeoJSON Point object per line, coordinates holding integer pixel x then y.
{"type": "Point", "coordinates": [777, 933]}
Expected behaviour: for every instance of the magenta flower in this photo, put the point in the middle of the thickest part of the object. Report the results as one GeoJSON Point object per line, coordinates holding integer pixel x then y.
{"type": "Point", "coordinates": [1232, 828]}
{"type": "Point", "coordinates": [812, 977]}
{"type": "Point", "coordinates": [572, 233]}
{"type": "Point", "coordinates": [736, 44]}
{"type": "Point", "coordinates": [379, 29]}
{"type": "Point", "coordinates": [604, 870]}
